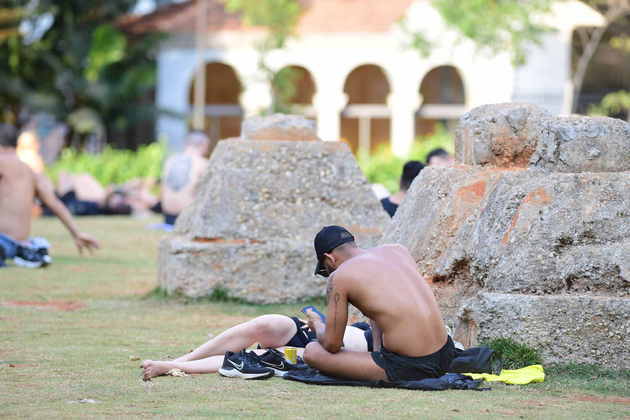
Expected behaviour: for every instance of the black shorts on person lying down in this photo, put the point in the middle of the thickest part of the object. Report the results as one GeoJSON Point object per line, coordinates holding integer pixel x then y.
{"type": "Point", "coordinates": [405, 368]}
{"type": "Point", "coordinates": [305, 335]}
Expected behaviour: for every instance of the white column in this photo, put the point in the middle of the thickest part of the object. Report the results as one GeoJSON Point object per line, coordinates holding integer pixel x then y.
{"type": "Point", "coordinates": [328, 104]}
{"type": "Point", "coordinates": [256, 97]}
{"type": "Point", "coordinates": [175, 71]}
{"type": "Point", "coordinates": [403, 104]}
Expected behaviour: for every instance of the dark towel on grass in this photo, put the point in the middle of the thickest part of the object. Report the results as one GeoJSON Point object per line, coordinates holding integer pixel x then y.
{"type": "Point", "coordinates": [447, 381]}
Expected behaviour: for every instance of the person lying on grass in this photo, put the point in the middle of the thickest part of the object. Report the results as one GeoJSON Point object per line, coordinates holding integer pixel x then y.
{"type": "Point", "coordinates": [269, 331]}
{"type": "Point", "coordinates": [410, 340]}
{"type": "Point", "coordinates": [19, 186]}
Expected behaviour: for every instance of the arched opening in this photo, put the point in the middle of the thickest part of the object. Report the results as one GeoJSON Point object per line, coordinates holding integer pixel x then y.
{"type": "Point", "coordinates": [295, 89]}
{"type": "Point", "coordinates": [365, 121]}
{"type": "Point", "coordinates": [443, 100]}
{"type": "Point", "coordinates": [223, 112]}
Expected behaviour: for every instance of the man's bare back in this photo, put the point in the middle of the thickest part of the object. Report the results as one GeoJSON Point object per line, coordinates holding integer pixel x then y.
{"type": "Point", "coordinates": [17, 194]}
{"type": "Point", "coordinates": [410, 341]}
{"type": "Point", "coordinates": [384, 284]}
{"type": "Point", "coordinates": [19, 186]}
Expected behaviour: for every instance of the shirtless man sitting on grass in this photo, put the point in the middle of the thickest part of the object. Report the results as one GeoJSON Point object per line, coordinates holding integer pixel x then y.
{"type": "Point", "coordinates": [410, 340]}
{"type": "Point", "coordinates": [19, 186]}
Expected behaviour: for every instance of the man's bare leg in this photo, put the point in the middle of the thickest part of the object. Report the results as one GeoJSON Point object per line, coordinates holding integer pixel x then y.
{"type": "Point", "coordinates": [153, 368]}
{"type": "Point", "coordinates": [267, 330]}
{"type": "Point", "coordinates": [345, 364]}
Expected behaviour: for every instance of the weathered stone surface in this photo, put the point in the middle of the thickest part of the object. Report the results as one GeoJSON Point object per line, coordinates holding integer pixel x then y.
{"type": "Point", "coordinates": [584, 144]}
{"type": "Point", "coordinates": [519, 231]}
{"type": "Point", "coordinates": [503, 135]}
{"type": "Point", "coordinates": [258, 209]}
{"type": "Point", "coordinates": [279, 127]}
{"type": "Point", "coordinates": [520, 135]}
{"type": "Point", "coordinates": [582, 329]}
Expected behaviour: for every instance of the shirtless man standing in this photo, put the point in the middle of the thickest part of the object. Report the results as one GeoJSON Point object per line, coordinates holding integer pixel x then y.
{"type": "Point", "coordinates": [181, 174]}
{"type": "Point", "coordinates": [19, 186]}
{"type": "Point", "coordinates": [410, 341]}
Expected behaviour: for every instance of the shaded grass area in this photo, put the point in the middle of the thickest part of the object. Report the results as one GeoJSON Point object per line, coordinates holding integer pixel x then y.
{"type": "Point", "coordinates": [60, 357]}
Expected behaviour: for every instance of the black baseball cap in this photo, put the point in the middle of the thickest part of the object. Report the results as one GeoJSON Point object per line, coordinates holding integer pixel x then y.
{"type": "Point", "coordinates": [327, 239]}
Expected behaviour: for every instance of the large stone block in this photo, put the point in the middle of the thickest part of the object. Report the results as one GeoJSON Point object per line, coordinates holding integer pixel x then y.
{"type": "Point", "coordinates": [260, 203]}
{"type": "Point", "coordinates": [584, 144]}
{"type": "Point", "coordinates": [520, 231]}
{"type": "Point", "coordinates": [520, 135]}
{"type": "Point", "coordinates": [503, 135]}
{"type": "Point", "coordinates": [581, 329]}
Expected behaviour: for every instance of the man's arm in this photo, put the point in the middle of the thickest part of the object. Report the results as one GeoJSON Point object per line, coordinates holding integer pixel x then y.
{"type": "Point", "coordinates": [331, 338]}
{"type": "Point", "coordinates": [377, 336]}
{"type": "Point", "coordinates": [46, 193]}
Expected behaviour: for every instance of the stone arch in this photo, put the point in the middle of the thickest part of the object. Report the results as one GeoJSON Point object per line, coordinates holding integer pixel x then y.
{"type": "Point", "coordinates": [223, 113]}
{"type": "Point", "coordinates": [304, 89]}
{"type": "Point", "coordinates": [443, 99]}
{"type": "Point", "coordinates": [365, 122]}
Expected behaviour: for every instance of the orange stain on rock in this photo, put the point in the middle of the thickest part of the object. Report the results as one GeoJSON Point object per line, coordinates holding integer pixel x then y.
{"type": "Point", "coordinates": [538, 196]}
{"type": "Point", "coordinates": [506, 237]}
{"type": "Point", "coordinates": [472, 193]}
{"type": "Point", "coordinates": [226, 241]}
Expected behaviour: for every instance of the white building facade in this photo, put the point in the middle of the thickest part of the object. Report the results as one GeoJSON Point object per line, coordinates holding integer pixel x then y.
{"type": "Point", "coordinates": [361, 82]}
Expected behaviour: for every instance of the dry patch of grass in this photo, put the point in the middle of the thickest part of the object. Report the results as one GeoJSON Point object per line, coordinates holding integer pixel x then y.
{"type": "Point", "coordinates": [84, 362]}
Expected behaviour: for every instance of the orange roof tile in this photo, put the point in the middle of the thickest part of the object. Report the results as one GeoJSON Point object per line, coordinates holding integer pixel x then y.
{"type": "Point", "coordinates": [320, 16]}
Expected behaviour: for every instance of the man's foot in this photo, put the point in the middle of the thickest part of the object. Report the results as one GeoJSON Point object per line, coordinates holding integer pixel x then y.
{"type": "Point", "coordinates": [275, 360]}
{"type": "Point", "coordinates": [152, 368]}
{"type": "Point", "coordinates": [244, 365]}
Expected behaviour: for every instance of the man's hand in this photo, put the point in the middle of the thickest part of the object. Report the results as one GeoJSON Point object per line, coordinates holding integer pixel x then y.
{"type": "Point", "coordinates": [315, 322]}
{"type": "Point", "coordinates": [84, 241]}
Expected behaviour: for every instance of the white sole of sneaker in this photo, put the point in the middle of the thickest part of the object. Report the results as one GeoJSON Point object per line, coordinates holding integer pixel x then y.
{"type": "Point", "coordinates": [278, 372]}
{"type": "Point", "coordinates": [28, 264]}
{"type": "Point", "coordinates": [233, 373]}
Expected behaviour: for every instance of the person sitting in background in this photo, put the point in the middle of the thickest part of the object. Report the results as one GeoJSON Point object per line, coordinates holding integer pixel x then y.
{"type": "Point", "coordinates": [180, 175]}
{"type": "Point", "coordinates": [439, 157]}
{"type": "Point", "coordinates": [19, 186]}
{"type": "Point", "coordinates": [410, 172]}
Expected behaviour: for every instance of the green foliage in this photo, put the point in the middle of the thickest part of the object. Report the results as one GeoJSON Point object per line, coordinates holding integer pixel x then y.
{"type": "Point", "coordinates": [80, 62]}
{"type": "Point", "coordinates": [108, 46]}
{"type": "Point", "coordinates": [112, 166]}
{"type": "Point", "coordinates": [513, 354]}
{"type": "Point", "coordinates": [284, 88]}
{"type": "Point", "coordinates": [613, 104]}
{"type": "Point", "coordinates": [279, 17]}
{"type": "Point", "coordinates": [496, 25]}
{"type": "Point", "coordinates": [382, 167]}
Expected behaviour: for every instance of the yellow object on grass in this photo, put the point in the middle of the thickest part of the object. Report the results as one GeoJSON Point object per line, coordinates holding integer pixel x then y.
{"type": "Point", "coordinates": [526, 375]}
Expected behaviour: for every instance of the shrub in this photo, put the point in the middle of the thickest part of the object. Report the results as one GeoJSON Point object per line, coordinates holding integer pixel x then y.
{"type": "Point", "coordinates": [382, 167]}
{"type": "Point", "coordinates": [112, 166]}
{"type": "Point", "coordinates": [514, 355]}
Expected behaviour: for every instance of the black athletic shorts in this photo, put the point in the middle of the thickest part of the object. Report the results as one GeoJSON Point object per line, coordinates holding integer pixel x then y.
{"type": "Point", "coordinates": [405, 368]}
{"type": "Point", "coordinates": [303, 336]}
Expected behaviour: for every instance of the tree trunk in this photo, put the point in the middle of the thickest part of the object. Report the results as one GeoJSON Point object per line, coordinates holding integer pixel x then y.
{"type": "Point", "coordinates": [622, 8]}
{"type": "Point", "coordinates": [582, 65]}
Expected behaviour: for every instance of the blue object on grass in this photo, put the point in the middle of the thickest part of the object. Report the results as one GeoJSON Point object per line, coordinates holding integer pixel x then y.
{"type": "Point", "coordinates": [314, 309]}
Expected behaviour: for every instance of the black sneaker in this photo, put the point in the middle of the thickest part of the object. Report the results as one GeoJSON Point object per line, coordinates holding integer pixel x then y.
{"type": "Point", "coordinates": [30, 258]}
{"type": "Point", "coordinates": [43, 253]}
{"type": "Point", "coordinates": [275, 360]}
{"type": "Point", "coordinates": [244, 365]}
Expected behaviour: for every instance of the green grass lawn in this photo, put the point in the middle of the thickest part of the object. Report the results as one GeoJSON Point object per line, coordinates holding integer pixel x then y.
{"type": "Point", "coordinates": [52, 358]}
